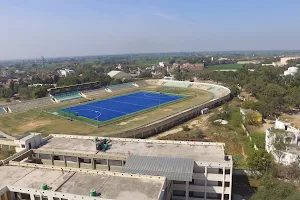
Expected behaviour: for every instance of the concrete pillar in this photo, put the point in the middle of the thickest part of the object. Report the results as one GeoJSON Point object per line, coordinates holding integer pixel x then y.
{"type": "Point", "coordinates": [19, 196]}
{"type": "Point", "coordinates": [205, 181]}
{"type": "Point", "coordinates": [187, 190]}
{"type": "Point", "coordinates": [108, 166]}
{"type": "Point", "coordinates": [65, 161]}
{"type": "Point", "coordinates": [5, 196]}
{"type": "Point", "coordinates": [93, 163]}
{"type": "Point", "coordinates": [230, 183]}
{"type": "Point", "coordinates": [31, 196]}
{"type": "Point", "coordinates": [50, 197]}
{"type": "Point", "coordinates": [223, 184]}
{"type": "Point", "coordinates": [78, 163]}
{"type": "Point", "coordinates": [52, 160]}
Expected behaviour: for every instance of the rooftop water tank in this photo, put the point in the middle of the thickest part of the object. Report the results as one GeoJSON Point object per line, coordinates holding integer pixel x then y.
{"type": "Point", "coordinates": [93, 193]}
{"type": "Point", "coordinates": [44, 187]}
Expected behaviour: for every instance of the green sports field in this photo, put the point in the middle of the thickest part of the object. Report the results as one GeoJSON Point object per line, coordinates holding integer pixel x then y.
{"type": "Point", "coordinates": [225, 67]}
{"type": "Point", "coordinates": [47, 123]}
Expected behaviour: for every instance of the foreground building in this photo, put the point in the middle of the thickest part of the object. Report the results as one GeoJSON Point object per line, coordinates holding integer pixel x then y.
{"type": "Point", "coordinates": [283, 141]}
{"type": "Point", "coordinates": [176, 170]}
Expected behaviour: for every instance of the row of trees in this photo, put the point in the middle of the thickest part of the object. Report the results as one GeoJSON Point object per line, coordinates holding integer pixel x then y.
{"type": "Point", "coordinates": [274, 92]}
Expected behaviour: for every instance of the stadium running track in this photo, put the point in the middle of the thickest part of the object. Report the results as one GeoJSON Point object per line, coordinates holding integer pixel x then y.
{"type": "Point", "coordinates": [108, 109]}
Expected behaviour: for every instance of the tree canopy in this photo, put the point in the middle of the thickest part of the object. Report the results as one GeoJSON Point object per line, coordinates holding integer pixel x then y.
{"type": "Point", "coordinates": [275, 93]}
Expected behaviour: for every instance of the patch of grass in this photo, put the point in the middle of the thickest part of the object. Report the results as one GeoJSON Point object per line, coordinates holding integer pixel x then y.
{"type": "Point", "coordinates": [5, 153]}
{"type": "Point", "coordinates": [187, 135]}
{"type": "Point", "coordinates": [225, 66]}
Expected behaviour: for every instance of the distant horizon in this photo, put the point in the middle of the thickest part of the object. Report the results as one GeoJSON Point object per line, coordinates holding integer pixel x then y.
{"type": "Point", "coordinates": [174, 52]}
{"type": "Point", "coordinates": [33, 28]}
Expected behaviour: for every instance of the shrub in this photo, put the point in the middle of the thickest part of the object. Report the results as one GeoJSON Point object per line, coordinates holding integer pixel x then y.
{"type": "Point", "coordinates": [186, 128]}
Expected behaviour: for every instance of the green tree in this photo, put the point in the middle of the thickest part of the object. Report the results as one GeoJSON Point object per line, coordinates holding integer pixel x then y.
{"type": "Point", "coordinates": [259, 160]}
{"type": "Point", "coordinates": [235, 91]}
{"type": "Point", "coordinates": [273, 189]}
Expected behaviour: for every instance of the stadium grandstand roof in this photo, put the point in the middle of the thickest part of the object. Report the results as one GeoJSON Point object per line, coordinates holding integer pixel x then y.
{"type": "Point", "coordinates": [70, 86]}
{"type": "Point", "coordinates": [118, 74]}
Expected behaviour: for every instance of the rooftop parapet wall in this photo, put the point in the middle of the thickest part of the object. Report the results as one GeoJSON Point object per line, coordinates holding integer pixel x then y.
{"type": "Point", "coordinates": [141, 140]}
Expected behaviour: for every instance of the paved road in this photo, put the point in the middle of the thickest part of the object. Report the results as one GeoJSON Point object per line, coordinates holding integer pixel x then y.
{"type": "Point", "coordinates": [6, 136]}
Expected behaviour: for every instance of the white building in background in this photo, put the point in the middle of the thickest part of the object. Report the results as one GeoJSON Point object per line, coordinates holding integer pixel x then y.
{"type": "Point", "coordinates": [119, 67]}
{"type": "Point", "coordinates": [223, 59]}
{"type": "Point", "coordinates": [291, 71]}
{"type": "Point", "coordinates": [161, 64]}
{"type": "Point", "coordinates": [65, 72]}
{"type": "Point", "coordinates": [284, 60]}
{"type": "Point", "coordinates": [289, 138]}
{"type": "Point", "coordinates": [119, 75]}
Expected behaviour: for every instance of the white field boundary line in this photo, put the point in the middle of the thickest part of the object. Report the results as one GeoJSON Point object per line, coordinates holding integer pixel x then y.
{"type": "Point", "coordinates": [106, 109]}
{"type": "Point", "coordinates": [130, 103]}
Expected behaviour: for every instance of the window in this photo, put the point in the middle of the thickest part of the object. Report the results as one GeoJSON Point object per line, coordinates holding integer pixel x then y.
{"type": "Point", "coordinates": [115, 162]}
{"type": "Point", "coordinates": [45, 156]}
{"type": "Point", "coordinates": [178, 182]}
{"type": "Point", "coordinates": [23, 145]}
{"type": "Point", "coordinates": [44, 198]}
{"type": "Point", "coordinates": [25, 196]}
{"type": "Point", "coordinates": [85, 160]}
{"type": "Point", "coordinates": [71, 159]}
{"type": "Point", "coordinates": [58, 158]}
{"type": "Point", "coordinates": [37, 197]}
{"type": "Point", "coordinates": [179, 193]}
{"type": "Point", "coordinates": [197, 195]}
{"type": "Point", "coordinates": [101, 161]}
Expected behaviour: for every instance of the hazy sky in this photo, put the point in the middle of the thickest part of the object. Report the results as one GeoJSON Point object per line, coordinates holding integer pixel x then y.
{"type": "Point", "coordinates": [32, 28]}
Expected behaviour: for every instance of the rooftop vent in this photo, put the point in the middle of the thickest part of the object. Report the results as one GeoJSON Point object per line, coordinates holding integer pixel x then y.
{"type": "Point", "coordinates": [226, 158]}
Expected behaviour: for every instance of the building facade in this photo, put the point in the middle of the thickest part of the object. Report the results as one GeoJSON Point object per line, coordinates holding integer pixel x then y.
{"type": "Point", "coordinates": [193, 170]}
{"type": "Point", "coordinates": [286, 137]}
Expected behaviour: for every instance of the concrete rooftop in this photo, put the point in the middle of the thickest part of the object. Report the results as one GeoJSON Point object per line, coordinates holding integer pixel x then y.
{"type": "Point", "coordinates": [204, 152]}
{"type": "Point", "coordinates": [109, 186]}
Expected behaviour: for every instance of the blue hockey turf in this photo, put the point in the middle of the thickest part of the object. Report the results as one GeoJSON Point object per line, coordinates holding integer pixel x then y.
{"type": "Point", "coordinates": [108, 109]}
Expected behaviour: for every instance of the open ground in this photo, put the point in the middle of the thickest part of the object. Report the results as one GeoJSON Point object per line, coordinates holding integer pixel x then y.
{"type": "Point", "coordinates": [46, 123]}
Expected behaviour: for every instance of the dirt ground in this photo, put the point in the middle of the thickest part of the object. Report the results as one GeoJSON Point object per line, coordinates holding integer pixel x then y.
{"type": "Point", "coordinates": [294, 119]}
{"type": "Point", "coordinates": [262, 128]}
{"type": "Point", "coordinates": [34, 124]}
{"type": "Point", "coordinates": [200, 122]}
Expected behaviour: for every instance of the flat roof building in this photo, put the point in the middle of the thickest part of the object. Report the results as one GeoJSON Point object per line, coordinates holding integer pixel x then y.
{"type": "Point", "coordinates": [193, 170]}
{"type": "Point", "coordinates": [48, 183]}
